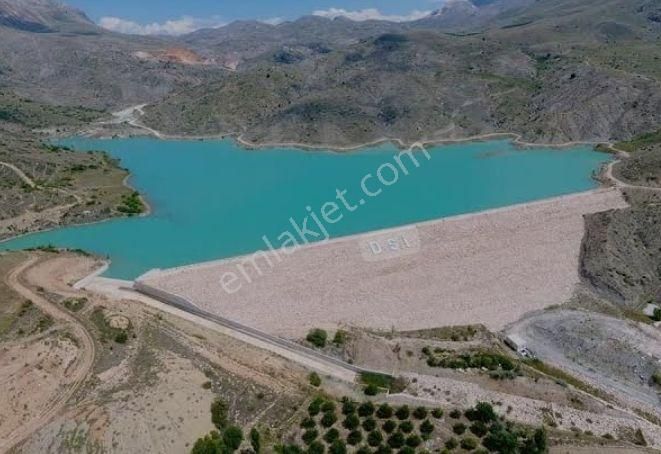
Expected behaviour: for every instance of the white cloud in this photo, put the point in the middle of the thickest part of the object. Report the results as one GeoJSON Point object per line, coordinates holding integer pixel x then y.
{"type": "Point", "coordinates": [370, 14]}
{"type": "Point", "coordinates": [186, 24]}
{"type": "Point", "coordinates": [273, 21]}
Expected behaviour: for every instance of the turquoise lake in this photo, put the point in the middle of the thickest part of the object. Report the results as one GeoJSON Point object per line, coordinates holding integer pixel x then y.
{"type": "Point", "coordinates": [213, 199]}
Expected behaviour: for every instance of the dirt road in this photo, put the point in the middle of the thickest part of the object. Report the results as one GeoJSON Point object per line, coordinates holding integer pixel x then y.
{"type": "Point", "coordinates": [26, 179]}
{"type": "Point", "coordinates": [17, 281]}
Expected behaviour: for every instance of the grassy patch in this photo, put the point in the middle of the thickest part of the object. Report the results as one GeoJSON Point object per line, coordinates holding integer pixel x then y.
{"type": "Point", "coordinates": [383, 381]}
{"type": "Point", "coordinates": [131, 204]}
{"type": "Point", "coordinates": [640, 141]}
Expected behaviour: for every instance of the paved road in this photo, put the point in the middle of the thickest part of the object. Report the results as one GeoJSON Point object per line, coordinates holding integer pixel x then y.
{"type": "Point", "coordinates": [309, 358]}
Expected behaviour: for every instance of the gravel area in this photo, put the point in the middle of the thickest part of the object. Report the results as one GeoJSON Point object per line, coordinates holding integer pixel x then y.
{"type": "Point", "coordinates": [490, 267]}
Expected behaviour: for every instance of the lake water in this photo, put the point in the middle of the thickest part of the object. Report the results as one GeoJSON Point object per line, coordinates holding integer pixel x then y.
{"type": "Point", "coordinates": [212, 199]}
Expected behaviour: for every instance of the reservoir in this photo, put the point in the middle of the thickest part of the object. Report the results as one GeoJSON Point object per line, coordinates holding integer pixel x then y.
{"type": "Point", "coordinates": [214, 199]}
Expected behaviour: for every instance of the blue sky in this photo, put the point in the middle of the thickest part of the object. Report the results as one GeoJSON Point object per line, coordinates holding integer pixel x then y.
{"type": "Point", "coordinates": [140, 14]}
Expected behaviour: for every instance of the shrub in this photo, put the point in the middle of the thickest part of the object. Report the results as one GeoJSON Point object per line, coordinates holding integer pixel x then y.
{"type": "Point", "coordinates": [407, 450]}
{"type": "Point", "coordinates": [406, 427]}
{"type": "Point", "coordinates": [426, 427]}
{"type": "Point", "coordinates": [348, 406]}
{"type": "Point", "coordinates": [309, 436]}
{"type": "Point", "coordinates": [479, 429]}
{"type": "Point", "coordinates": [371, 390]}
{"type": "Point", "coordinates": [469, 443]}
{"type": "Point", "coordinates": [316, 447]}
{"type": "Point", "coordinates": [219, 413]}
{"type": "Point", "coordinates": [338, 447]}
{"type": "Point", "coordinates": [396, 440]}
{"type": "Point", "coordinates": [331, 436]}
{"type": "Point", "coordinates": [308, 423]}
{"type": "Point", "coordinates": [384, 411]}
{"type": "Point", "coordinates": [363, 450]}
{"type": "Point", "coordinates": [437, 413]}
{"type": "Point", "coordinates": [389, 426]}
{"type": "Point", "coordinates": [366, 409]}
{"type": "Point", "coordinates": [317, 337]}
{"type": "Point", "coordinates": [459, 428]}
{"type": "Point", "coordinates": [413, 441]}
{"type": "Point", "coordinates": [328, 419]}
{"type": "Point", "coordinates": [374, 438]}
{"type": "Point", "coordinates": [403, 412]}
{"type": "Point", "coordinates": [420, 413]}
{"type": "Point", "coordinates": [232, 437]}
{"type": "Point", "coordinates": [369, 424]}
{"type": "Point", "coordinates": [354, 437]}
{"type": "Point", "coordinates": [451, 443]}
{"type": "Point", "coordinates": [455, 414]}
{"type": "Point", "coordinates": [255, 440]}
{"type": "Point", "coordinates": [315, 379]}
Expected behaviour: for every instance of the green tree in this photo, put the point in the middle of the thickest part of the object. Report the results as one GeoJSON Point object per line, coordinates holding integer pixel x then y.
{"type": "Point", "coordinates": [413, 441]}
{"type": "Point", "coordinates": [308, 423]}
{"type": "Point", "coordinates": [396, 440]}
{"type": "Point", "coordinates": [316, 447]}
{"type": "Point", "coordinates": [354, 437]}
{"type": "Point", "coordinates": [437, 413]}
{"type": "Point", "coordinates": [255, 440]}
{"type": "Point", "coordinates": [366, 409]}
{"type": "Point", "coordinates": [426, 427]}
{"type": "Point", "coordinates": [389, 426]}
{"type": "Point", "coordinates": [371, 390]}
{"type": "Point", "coordinates": [219, 411]}
{"type": "Point", "coordinates": [403, 412]}
{"type": "Point", "coordinates": [420, 413]}
{"type": "Point", "coordinates": [331, 436]}
{"type": "Point", "coordinates": [384, 411]}
{"type": "Point", "coordinates": [348, 406]}
{"type": "Point", "coordinates": [351, 422]}
{"type": "Point", "coordinates": [209, 444]}
{"type": "Point", "coordinates": [232, 437]}
{"type": "Point", "coordinates": [317, 337]}
{"type": "Point", "coordinates": [469, 443]}
{"type": "Point", "coordinates": [374, 438]}
{"type": "Point", "coordinates": [315, 406]}
{"type": "Point", "coordinates": [459, 428]}
{"type": "Point", "coordinates": [338, 447]}
{"type": "Point", "coordinates": [328, 419]}
{"type": "Point", "coordinates": [340, 337]}
{"type": "Point", "coordinates": [309, 436]}
{"type": "Point", "coordinates": [484, 412]}
{"type": "Point", "coordinates": [406, 427]}
{"type": "Point", "coordinates": [369, 424]}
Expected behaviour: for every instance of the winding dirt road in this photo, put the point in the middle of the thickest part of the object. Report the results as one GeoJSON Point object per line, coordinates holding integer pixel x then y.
{"type": "Point", "coordinates": [17, 281]}
{"type": "Point", "coordinates": [26, 179]}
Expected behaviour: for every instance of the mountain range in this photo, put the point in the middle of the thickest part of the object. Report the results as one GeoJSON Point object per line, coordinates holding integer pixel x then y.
{"type": "Point", "coordinates": [551, 70]}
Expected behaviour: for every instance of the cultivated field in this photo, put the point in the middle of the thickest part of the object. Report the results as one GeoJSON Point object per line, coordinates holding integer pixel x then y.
{"type": "Point", "coordinates": [490, 267]}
